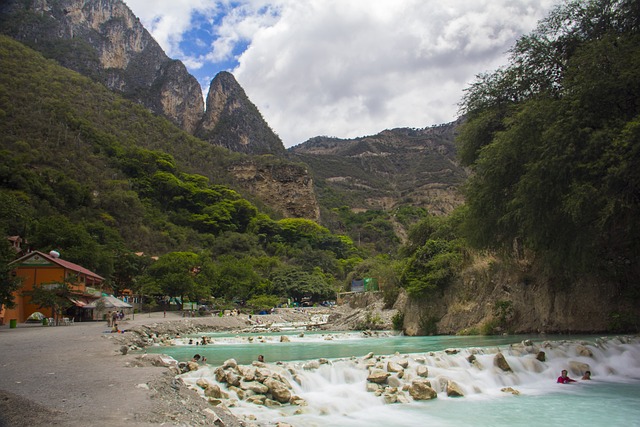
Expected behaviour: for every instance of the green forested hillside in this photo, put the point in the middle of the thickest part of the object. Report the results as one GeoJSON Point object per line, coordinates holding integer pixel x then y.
{"type": "Point", "coordinates": [98, 178]}
{"type": "Point", "coordinates": [554, 140]}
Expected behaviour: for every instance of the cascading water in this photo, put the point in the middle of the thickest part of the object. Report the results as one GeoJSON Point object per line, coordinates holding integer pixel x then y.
{"type": "Point", "coordinates": [337, 392]}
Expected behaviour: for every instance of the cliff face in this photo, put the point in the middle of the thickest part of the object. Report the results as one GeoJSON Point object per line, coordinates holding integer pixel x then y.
{"type": "Point", "coordinates": [234, 122]}
{"type": "Point", "coordinates": [398, 166]}
{"type": "Point", "coordinates": [286, 187]}
{"type": "Point", "coordinates": [487, 299]}
{"type": "Point", "coordinates": [105, 41]}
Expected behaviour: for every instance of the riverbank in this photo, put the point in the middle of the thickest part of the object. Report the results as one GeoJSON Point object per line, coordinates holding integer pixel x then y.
{"type": "Point", "coordinates": [78, 375]}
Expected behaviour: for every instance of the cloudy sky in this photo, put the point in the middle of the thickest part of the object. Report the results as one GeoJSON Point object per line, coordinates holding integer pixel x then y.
{"type": "Point", "coordinates": [343, 68]}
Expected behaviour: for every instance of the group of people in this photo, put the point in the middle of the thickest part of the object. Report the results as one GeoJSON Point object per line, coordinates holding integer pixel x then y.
{"type": "Point", "coordinates": [204, 341]}
{"type": "Point", "coordinates": [564, 378]}
{"type": "Point", "coordinates": [114, 316]}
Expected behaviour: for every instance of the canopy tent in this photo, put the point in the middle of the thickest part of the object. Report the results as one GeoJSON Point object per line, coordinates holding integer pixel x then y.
{"type": "Point", "coordinates": [109, 301]}
{"type": "Point", "coordinates": [101, 307]}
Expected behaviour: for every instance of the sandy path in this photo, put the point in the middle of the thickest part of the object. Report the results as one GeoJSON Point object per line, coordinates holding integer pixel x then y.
{"type": "Point", "coordinates": [76, 376]}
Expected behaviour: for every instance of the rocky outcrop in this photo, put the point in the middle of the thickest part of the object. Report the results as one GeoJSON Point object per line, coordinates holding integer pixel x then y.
{"type": "Point", "coordinates": [234, 122]}
{"type": "Point", "coordinates": [536, 304]}
{"type": "Point", "coordinates": [286, 187]}
{"type": "Point", "coordinates": [104, 40]}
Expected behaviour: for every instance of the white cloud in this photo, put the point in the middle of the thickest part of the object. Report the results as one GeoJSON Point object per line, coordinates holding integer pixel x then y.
{"type": "Point", "coordinates": [168, 20]}
{"type": "Point", "coordinates": [349, 68]}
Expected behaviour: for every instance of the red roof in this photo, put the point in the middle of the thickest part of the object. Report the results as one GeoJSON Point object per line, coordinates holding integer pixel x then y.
{"type": "Point", "coordinates": [65, 264]}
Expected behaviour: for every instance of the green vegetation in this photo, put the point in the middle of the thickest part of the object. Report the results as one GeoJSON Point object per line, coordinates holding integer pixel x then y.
{"type": "Point", "coordinates": [554, 141]}
{"type": "Point", "coordinates": [433, 254]}
{"type": "Point", "coordinates": [100, 179]}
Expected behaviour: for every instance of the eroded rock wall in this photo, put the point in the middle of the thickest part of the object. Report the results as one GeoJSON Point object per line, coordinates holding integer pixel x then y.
{"type": "Point", "coordinates": [286, 187]}
{"type": "Point", "coordinates": [533, 305]}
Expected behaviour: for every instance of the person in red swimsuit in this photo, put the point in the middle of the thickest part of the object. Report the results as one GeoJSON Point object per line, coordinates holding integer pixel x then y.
{"type": "Point", "coordinates": [564, 379]}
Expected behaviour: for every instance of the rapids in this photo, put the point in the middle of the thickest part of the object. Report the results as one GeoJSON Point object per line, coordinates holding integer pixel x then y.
{"type": "Point", "coordinates": [336, 393]}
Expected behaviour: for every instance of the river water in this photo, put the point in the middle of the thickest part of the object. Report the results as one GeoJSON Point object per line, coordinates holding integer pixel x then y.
{"type": "Point", "coordinates": [336, 391]}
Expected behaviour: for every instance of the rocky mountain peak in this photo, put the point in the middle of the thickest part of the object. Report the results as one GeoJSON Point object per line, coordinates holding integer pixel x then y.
{"type": "Point", "coordinates": [104, 40]}
{"type": "Point", "coordinates": [231, 120]}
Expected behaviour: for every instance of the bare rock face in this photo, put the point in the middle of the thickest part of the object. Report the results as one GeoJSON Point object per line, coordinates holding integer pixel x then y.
{"type": "Point", "coordinates": [104, 40]}
{"type": "Point", "coordinates": [288, 187]}
{"type": "Point", "coordinates": [232, 121]}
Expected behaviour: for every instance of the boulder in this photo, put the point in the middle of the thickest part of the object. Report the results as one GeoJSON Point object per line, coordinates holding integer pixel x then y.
{"type": "Point", "coordinates": [203, 383]}
{"type": "Point", "coordinates": [420, 389]}
{"type": "Point", "coordinates": [242, 394]}
{"type": "Point", "coordinates": [312, 364]}
{"type": "Point", "coordinates": [271, 403]}
{"type": "Point", "coordinates": [247, 372]}
{"type": "Point", "coordinates": [232, 379]}
{"type": "Point", "coordinates": [214, 391]}
{"type": "Point", "coordinates": [230, 363]}
{"type": "Point", "coordinates": [510, 390]}
{"type": "Point", "coordinates": [453, 389]}
{"type": "Point", "coordinates": [298, 401]}
{"type": "Point", "coordinates": [394, 367]}
{"type": "Point", "coordinates": [394, 381]}
{"type": "Point", "coordinates": [373, 387]}
{"type": "Point", "coordinates": [284, 338]}
{"type": "Point", "coordinates": [378, 376]}
{"type": "Point", "coordinates": [258, 399]}
{"type": "Point", "coordinates": [501, 362]}
{"type": "Point", "coordinates": [254, 386]}
{"type": "Point", "coordinates": [390, 395]}
{"type": "Point", "coordinates": [262, 374]}
{"type": "Point", "coordinates": [278, 390]}
{"type": "Point", "coordinates": [220, 374]}
{"type": "Point", "coordinates": [584, 351]}
{"type": "Point", "coordinates": [422, 371]}
{"type": "Point", "coordinates": [578, 368]}
{"type": "Point", "coordinates": [541, 356]}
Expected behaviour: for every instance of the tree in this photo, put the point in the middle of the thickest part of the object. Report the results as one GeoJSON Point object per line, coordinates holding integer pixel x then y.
{"type": "Point", "coordinates": [8, 282]}
{"type": "Point", "coordinates": [127, 266]}
{"type": "Point", "coordinates": [175, 273]}
{"type": "Point", "coordinates": [553, 140]}
{"type": "Point", "coordinates": [53, 295]}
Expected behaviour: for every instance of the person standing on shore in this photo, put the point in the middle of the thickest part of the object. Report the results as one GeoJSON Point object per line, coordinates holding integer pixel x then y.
{"type": "Point", "coordinates": [109, 318]}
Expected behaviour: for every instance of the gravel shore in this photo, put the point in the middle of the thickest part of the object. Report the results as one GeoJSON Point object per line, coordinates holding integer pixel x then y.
{"type": "Point", "coordinates": [78, 376]}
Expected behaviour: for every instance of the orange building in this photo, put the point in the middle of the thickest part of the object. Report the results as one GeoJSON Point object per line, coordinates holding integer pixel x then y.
{"type": "Point", "coordinates": [36, 268]}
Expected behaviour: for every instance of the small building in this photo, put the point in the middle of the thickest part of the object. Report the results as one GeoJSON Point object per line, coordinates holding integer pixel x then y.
{"type": "Point", "coordinates": [36, 268]}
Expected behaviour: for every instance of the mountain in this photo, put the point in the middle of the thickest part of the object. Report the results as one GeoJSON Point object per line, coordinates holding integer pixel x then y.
{"type": "Point", "coordinates": [104, 40]}
{"type": "Point", "coordinates": [395, 167]}
{"type": "Point", "coordinates": [55, 119]}
{"type": "Point", "coordinates": [234, 122]}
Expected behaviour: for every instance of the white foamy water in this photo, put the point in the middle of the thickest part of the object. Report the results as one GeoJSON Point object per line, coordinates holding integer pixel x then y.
{"type": "Point", "coordinates": [336, 392]}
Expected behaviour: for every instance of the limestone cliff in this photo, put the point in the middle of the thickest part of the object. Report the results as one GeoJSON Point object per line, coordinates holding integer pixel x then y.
{"type": "Point", "coordinates": [105, 41]}
{"type": "Point", "coordinates": [286, 187]}
{"type": "Point", "coordinates": [234, 122]}
{"type": "Point", "coordinates": [490, 298]}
